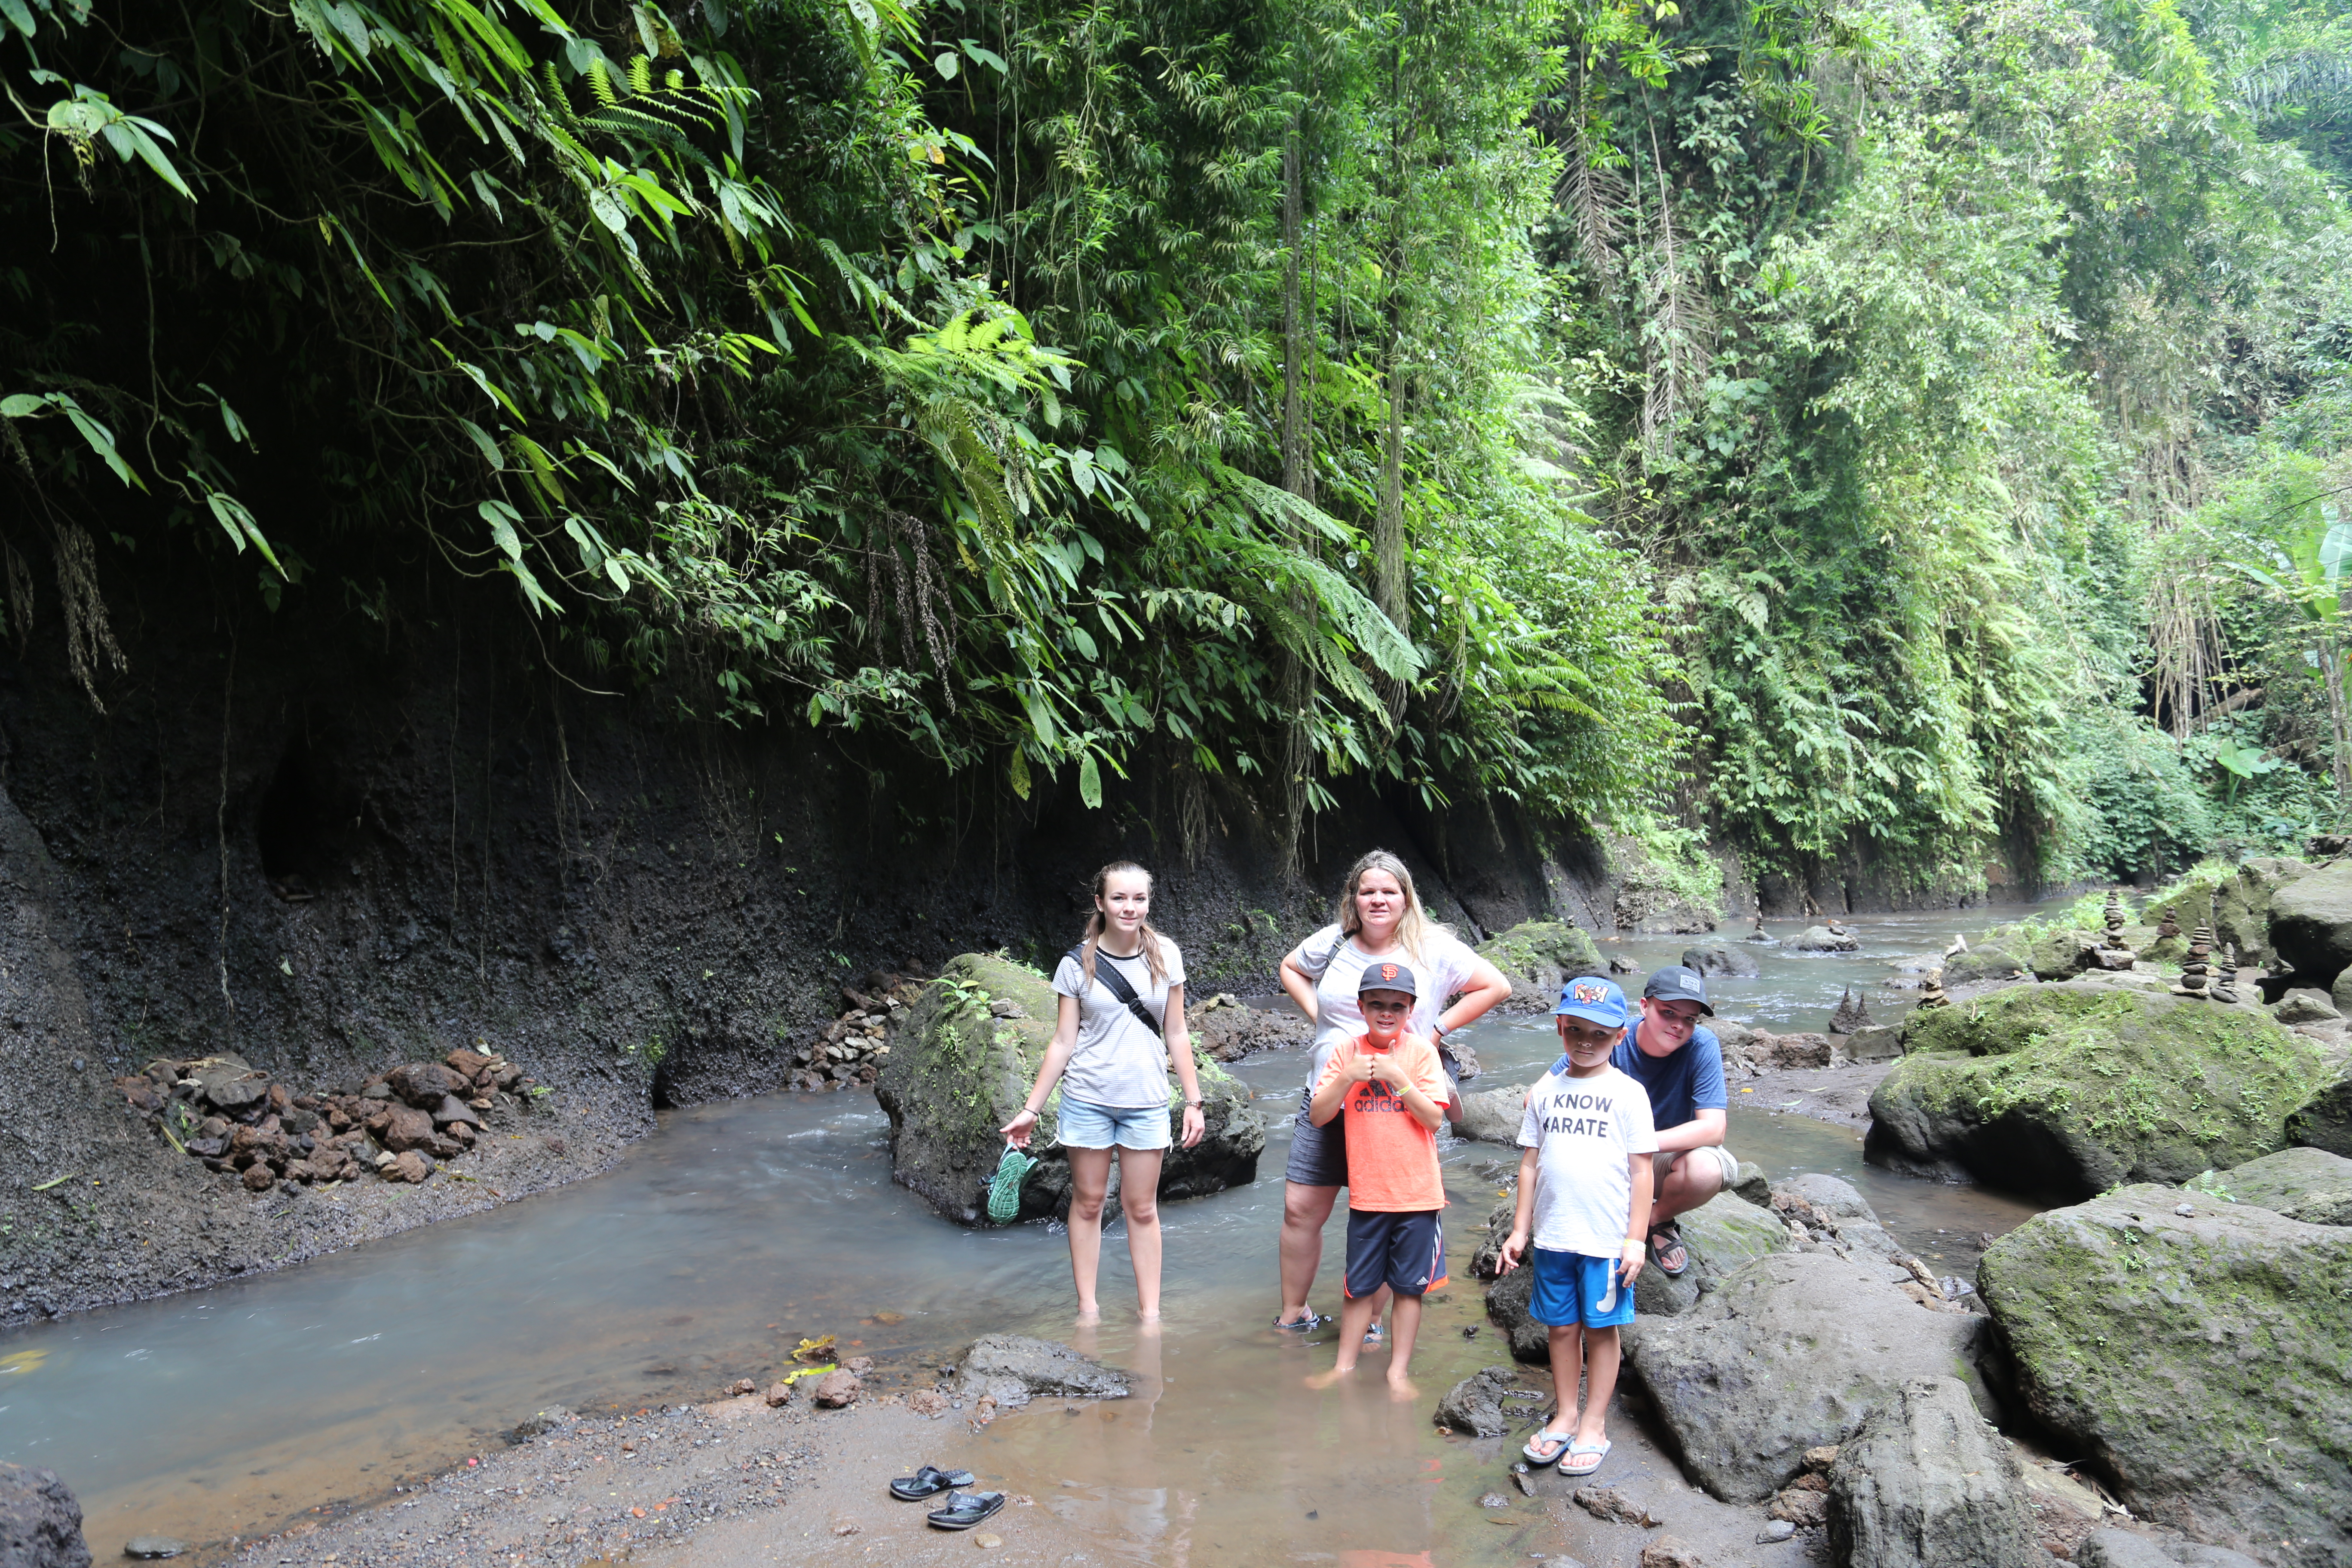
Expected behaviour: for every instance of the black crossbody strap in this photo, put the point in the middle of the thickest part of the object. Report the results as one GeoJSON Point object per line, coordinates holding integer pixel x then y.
{"type": "Point", "coordinates": [1117, 984]}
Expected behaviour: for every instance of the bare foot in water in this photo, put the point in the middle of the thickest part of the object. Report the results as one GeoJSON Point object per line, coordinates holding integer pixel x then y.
{"type": "Point", "coordinates": [1325, 1379]}
{"type": "Point", "coordinates": [1088, 1317]}
{"type": "Point", "coordinates": [1402, 1391]}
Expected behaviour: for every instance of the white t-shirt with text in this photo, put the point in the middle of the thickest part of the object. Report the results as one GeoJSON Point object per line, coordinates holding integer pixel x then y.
{"type": "Point", "coordinates": [1444, 970]}
{"type": "Point", "coordinates": [1585, 1132]}
{"type": "Point", "coordinates": [1118, 1062]}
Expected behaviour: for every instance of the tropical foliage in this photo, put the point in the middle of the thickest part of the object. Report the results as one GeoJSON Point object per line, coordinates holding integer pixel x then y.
{"type": "Point", "coordinates": [1879, 430]}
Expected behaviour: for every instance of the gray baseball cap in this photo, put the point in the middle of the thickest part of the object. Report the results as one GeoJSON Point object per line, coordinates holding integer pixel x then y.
{"type": "Point", "coordinates": [1676, 983]}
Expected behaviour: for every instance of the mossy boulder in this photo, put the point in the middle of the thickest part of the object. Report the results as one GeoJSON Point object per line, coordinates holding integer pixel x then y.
{"type": "Point", "coordinates": [2059, 953]}
{"type": "Point", "coordinates": [961, 1068]}
{"type": "Point", "coordinates": [2199, 1360]}
{"type": "Point", "coordinates": [1539, 956]}
{"type": "Point", "coordinates": [2070, 1089]}
{"type": "Point", "coordinates": [1982, 964]}
{"type": "Point", "coordinates": [2309, 1185]}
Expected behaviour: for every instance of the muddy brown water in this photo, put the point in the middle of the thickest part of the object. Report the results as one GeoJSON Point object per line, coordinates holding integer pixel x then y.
{"type": "Point", "coordinates": [742, 1227]}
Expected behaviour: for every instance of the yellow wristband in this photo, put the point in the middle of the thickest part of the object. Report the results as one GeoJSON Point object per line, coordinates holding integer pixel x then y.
{"type": "Point", "coordinates": [1633, 1246]}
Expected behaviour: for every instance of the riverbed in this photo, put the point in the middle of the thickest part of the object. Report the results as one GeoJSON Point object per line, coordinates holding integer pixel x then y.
{"type": "Point", "coordinates": [740, 1228]}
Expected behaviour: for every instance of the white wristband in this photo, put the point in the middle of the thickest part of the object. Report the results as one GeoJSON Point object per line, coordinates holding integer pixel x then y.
{"type": "Point", "coordinates": [1632, 1247]}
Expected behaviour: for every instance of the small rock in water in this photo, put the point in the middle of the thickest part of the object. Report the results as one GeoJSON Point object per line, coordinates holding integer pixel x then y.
{"type": "Point", "coordinates": [927, 1401]}
{"type": "Point", "coordinates": [1494, 1500]}
{"type": "Point", "coordinates": [1612, 1507]}
{"type": "Point", "coordinates": [151, 1546]}
{"type": "Point", "coordinates": [860, 1364]}
{"type": "Point", "coordinates": [1779, 1530]}
{"type": "Point", "coordinates": [780, 1394]}
{"type": "Point", "coordinates": [1520, 1478]}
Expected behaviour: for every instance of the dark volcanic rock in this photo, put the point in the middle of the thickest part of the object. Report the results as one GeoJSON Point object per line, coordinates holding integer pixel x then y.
{"type": "Point", "coordinates": [1929, 1483]}
{"type": "Point", "coordinates": [2122, 1549]}
{"type": "Point", "coordinates": [2197, 1358]}
{"type": "Point", "coordinates": [1722, 958]}
{"type": "Point", "coordinates": [1492, 1116]}
{"type": "Point", "coordinates": [1012, 1369]}
{"type": "Point", "coordinates": [1473, 1407]}
{"type": "Point", "coordinates": [2311, 924]}
{"type": "Point", "coordinates": [1230, 1032]}
{"type": "Point", "coordinates": [1821, 938]}
{"type": "Point", "coordinates": [838, 1390]}
{"type": "Point", "coordinates": [1789, 1354]}
{"type": "Point", "coordinates": [1721, 1236]}
{"type": "Point", "coordinates": [40, 1523]}
{"type": "Point", "coordinates": [2325, 1121]}
{"type": "Point", "coordinates": [425, 1084]}
{"type": "Point", "coordinates": [2071, 1089]}
{"type": "Point", "coordinates": [452, 1109]}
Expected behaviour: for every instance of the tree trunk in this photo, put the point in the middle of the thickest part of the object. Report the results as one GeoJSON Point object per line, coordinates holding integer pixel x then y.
{"type": "Point", "coordinates": [1297, 678]}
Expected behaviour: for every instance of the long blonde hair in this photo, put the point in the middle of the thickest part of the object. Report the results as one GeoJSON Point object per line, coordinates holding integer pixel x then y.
{"type": "Point", "coordinates": [1097, 925]}
{"type": "Point", "coordinates": [1413, 927]}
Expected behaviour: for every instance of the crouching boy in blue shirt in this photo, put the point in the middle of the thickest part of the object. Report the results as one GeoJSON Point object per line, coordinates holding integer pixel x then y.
{"type": "Point", "coordinates": [1584, 1196]}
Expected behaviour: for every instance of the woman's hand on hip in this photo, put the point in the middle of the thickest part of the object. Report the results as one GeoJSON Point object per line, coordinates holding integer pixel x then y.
{"type": "Point", "coordinates": [1017, 1131]}
{"type": "Point", "coordinates": [1196, 1126]}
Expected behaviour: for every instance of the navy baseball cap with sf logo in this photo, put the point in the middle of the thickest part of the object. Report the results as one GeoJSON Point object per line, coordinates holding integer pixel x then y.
{"type": "Point", "coordinates": [1382, 976]}
{"type": "Point", "coordinates": [1594, 1000]}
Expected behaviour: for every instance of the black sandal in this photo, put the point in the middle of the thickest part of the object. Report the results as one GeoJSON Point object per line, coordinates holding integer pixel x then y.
{"type": "Point", "coordinates": [928, 1481]}
{"type": "Point", "coordinates": [1665, 1239]}
{"type": "Point", "coordinates": [965, 1509]}
{"type": "Point", "coordinates": [1309, 1321]}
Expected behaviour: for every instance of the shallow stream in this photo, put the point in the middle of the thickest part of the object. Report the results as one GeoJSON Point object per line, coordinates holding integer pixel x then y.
{"type": "Point", "coordinates": [741, 1228]}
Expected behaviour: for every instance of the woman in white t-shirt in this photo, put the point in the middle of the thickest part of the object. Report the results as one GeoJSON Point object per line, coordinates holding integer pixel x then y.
{"type": "Point", "coordinates": [1380, 918]}
{"type": "Point", "coordinates": [1113, 1046]}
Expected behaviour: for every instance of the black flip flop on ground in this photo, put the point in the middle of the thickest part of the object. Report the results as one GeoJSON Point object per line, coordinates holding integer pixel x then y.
{"type": "Point", "coordinates": [928, 1481]}
{"type": "Point", "coordinates": [965, 1509]}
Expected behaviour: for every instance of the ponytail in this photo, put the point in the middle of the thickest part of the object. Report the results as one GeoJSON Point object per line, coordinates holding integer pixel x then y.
{"type": "Point", "coordinates": [1097, 925]}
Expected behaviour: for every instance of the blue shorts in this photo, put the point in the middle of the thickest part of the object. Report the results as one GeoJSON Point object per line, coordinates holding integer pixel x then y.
{"type": "Point", "coordinates": [1405, 1252]}
{"type": "Point", "coordinates": [1083, 1124]}
{"type": "Point", "coordinates": [1572, 1288]}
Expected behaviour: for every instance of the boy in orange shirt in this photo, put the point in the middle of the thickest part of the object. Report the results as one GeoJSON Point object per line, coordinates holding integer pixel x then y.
{"type": "Point", "coordinates": [1392, 1090]}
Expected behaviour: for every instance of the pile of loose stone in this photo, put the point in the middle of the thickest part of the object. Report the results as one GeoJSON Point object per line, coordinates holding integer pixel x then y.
{"type": "Point", "coordinates": [853, 1046]}
{"type": "Point", "coordinates": [227, 1112]}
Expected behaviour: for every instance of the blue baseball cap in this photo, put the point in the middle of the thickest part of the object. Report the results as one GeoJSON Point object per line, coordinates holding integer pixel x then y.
{"type": "Point", "coordinates": [1594, 1000]}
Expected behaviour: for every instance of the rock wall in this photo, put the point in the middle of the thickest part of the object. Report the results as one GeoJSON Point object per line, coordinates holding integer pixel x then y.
{"type": "Point", "coordinates": [330, 846]}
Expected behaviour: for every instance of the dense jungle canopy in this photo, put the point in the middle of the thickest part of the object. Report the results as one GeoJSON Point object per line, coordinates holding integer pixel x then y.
{"type": "Point", "coordinates": [1792, 424]}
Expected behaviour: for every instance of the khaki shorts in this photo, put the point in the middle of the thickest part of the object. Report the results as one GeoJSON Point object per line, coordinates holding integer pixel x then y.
{"type": "Point", "coordinates": [1715, 1153]}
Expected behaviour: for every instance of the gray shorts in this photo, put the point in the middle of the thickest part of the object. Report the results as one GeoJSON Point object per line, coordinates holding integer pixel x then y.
{"type": "Point", "coordinates": [1319, 1155]}
{"type": "Point", "coordinates": [1715, 1154]}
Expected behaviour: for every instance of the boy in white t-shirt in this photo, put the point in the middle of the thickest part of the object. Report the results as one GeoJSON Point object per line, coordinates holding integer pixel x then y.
{"type": "Point", "coordinates": [1584, 1195]}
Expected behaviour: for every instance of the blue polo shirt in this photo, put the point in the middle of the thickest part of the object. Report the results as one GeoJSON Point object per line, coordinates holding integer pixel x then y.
{"type": "Point", "coordinates": [1680, 1085]}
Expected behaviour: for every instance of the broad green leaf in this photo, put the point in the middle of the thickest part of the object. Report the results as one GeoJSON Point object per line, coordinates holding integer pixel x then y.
{"type": "Point", "coordinates": [946, 64]}
{"type": "Point", "coordinates": [22, 405]}
{"type": "Point", "coordinates": [489, 449]}
{"type": "Point", "coordinates": [100, 440]}
{"type": "Point", "coordinates": [1090, 782]}
{"type": "Point", "coordinates": [502, 519]}
{"type": "Point", "coordinates": [1017, 772]}
{"type": "Point", "coordinates": [533, 594]}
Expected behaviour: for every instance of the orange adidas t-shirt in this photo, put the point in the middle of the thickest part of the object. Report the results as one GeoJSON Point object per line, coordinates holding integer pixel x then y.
{"type": "Point", "coordinates": [1392, 1157]}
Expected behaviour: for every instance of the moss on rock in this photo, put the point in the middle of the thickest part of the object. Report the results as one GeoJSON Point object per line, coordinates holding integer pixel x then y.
{"type": "Point", "coordinates": [1539, 956]}
{"type": "Point", "coordinates": [961, 1065]}
{"type": "Point", "coordinates": [2067, 1089]}
{"type": "Point", "coordinates": [2200, 1360]}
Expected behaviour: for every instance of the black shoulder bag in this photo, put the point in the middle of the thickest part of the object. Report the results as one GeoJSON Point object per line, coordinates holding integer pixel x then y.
{"type": "Point", "coordinates": [1116, 982]}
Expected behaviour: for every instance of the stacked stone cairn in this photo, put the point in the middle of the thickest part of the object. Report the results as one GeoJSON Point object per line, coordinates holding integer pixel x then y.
{"type": "Point", "coordinates": [851, 1049]}
{"type": "Point", "coordinates": [2225, 979]}
{"type": "Point", "coordinates": [1931, 991]}
{"type": "Point", "coordinates": [2112, 952]}
{"type": "Point", "coordinates": [2168, 924]}
{"type": "Point", "coordinates": [2198, 966]}
{"type": "Point", "coordinates": [1851, 1014]}
{"type": "Point", "coordinates": [229, 1113]}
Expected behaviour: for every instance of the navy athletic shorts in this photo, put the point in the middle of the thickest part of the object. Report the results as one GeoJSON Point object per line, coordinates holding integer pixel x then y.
{"type": "Point", "coordinates": [1405, 1252]}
